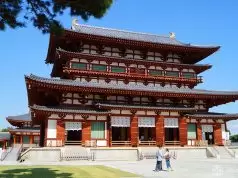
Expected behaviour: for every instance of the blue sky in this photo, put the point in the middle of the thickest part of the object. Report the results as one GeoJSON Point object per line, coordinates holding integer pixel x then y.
{"type": "Point", "coordinates": [212, 22]}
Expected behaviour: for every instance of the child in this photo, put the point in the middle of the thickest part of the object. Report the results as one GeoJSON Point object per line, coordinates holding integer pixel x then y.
{"type": "Point", "coordinates": [167, 157]}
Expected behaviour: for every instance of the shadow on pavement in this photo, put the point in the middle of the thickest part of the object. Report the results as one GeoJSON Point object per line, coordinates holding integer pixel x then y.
{"type": "Point", "coordinates": [34, 173]}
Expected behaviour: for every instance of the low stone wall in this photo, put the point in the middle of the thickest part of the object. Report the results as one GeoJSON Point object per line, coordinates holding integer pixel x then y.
{"type": "Point", "coordinates": [43, 155]}
{"type": "Point", "coordinates": [178, 152]}
{"type": "Point", "coordinates": [115, 154]}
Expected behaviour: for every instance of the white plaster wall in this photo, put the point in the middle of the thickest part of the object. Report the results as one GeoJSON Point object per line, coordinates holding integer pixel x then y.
{"type": "Point", "coordinates": [51, 130]}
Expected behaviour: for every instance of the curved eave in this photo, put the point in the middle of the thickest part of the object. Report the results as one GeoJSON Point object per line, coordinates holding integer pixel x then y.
{"type": "Point", "coordinates": [199, 52]}
{"type": "Point", "coordinates": [60, 111]}
{"type": "Point", "coordinates": [24, 131]}
{"type": "Point", "coordinates": [17, 123]}
{"type": "Point", "coordinates": [213, 116]}
{"type": "Point", "coordinates": [69, 85]}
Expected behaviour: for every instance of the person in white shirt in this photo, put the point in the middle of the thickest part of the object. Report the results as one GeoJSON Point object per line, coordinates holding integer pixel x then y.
{"type": "Point", "coordinates": [159, 158]}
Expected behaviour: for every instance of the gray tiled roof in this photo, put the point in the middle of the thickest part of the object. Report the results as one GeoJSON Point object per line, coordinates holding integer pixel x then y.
{"type": "Point", "coordinates": [131, 87]}
{"type": "Point", "coordinates": [128, 35]}
{"type": "Point", "coordinates": [67, 109]}
{"type": "Point", "coordinates": [213, 115]}
{"type": "Point", "coordinates": [23, 117]}
{"type": "Point", "coordinates": [146, 107]}
{"type": "Point", "coordinates": [5, 136]}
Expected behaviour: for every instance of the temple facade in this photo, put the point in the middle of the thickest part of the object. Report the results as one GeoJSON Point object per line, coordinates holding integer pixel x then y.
{"type": "Point", "coordinates": [118, 88]}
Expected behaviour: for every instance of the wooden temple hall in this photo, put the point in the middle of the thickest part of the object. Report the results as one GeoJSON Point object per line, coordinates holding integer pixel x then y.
{"type": "Point", "coordinates": [113, 88]}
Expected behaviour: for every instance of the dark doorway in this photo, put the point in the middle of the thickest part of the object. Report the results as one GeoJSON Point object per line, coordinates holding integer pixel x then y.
{"type": "Point", "coordinates": [74, 135]}
{"type": "Point", "coordinates": [171, 134]}
{"type": "Point", "coordinates": [120, 134]}
{"type": "Point", "coordinates": [209, 137]}
{"type": "Point", "coordinates": [147, 133]}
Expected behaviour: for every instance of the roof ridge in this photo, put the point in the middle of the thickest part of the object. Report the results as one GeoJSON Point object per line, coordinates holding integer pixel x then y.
{"type": "Point", "coordinates": [129, 31]}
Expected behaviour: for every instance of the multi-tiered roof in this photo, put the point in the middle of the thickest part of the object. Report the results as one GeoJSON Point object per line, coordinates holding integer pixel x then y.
{"type": "Point", "coordinates": [61, 51]}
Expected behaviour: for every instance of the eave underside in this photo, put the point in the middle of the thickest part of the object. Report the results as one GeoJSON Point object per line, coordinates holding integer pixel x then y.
{"type": "Point", "coordinates": [67, 110]}
{"type": "Point", "coordinates": [148, 108]}
{"type": "Point", "coordinates": [217, 97]}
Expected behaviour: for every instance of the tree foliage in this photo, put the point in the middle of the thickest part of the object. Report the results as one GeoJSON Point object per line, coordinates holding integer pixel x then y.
{"type": "Point", "coordinates": [234, 138]}
{"type": "Point", "coordinates": [43, 13]}
{"type": "Point", "coordinates": [5, 130]}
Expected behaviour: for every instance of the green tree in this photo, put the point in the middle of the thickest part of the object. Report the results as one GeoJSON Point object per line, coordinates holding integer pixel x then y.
{"type": "Point", "coordinates": [43, 13]}
{"type": "Point", "coordinates": [234, 138]}
{"type": "Point", "coordinates": [4, 130]}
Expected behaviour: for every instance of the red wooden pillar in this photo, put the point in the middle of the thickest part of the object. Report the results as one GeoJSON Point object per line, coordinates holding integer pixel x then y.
{"type": "Point", "coordinates": [60, 132]}
{"type": "Point", "coordinates": [31, 139]}
{"type": "Point", "coordinates": [21, 141]}
{"type": "Point", "coordinates": [86, 131]}
{"type": "Point", "coordinates": [183, 131]}
{"type": "Point", "coordinates": [109, 132]}
{"type": "Point", "coordinates": [159, 124]}
{"type": "Point", "coordinates": [14, 139]}
{"type": "Point", "coordinates": [4, 144]}
{"type": "Point", "coordinates": [199, 131]}
{"type": "Point", "coordinates": [134, 131]}
{"type": "Point", "coordinates": [217, 134]}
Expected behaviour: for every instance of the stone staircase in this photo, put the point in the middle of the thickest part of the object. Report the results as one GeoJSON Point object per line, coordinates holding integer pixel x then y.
{"type": "Point", "coordinates": [223, 152]}
{"type": "Point", "coordinates": [13, 155]}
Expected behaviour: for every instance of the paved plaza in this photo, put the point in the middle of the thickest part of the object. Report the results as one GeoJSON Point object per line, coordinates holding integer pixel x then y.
{"type": "Point", "coordinates": [194, 168]}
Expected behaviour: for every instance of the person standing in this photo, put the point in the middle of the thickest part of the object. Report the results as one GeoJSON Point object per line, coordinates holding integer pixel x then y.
{"type": "Point", "coordinates": [167, 157]}
{"type": "Point", "coordinates": [159, 158]}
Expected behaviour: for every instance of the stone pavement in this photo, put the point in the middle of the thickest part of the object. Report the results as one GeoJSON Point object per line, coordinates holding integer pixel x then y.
{"type": "Point", "coordinates": [194, 168]}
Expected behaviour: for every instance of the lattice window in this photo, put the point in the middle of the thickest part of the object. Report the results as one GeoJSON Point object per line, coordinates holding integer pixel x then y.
{"type": "Point", "coordinates": [81, 66]}
{"type": "Point", "coordinates": [188, 75]}
{"type": "Point", "coordinates": [120, 121]}
{"type": "Point", "coordinates": [146, 122]}
{"type": "Point", "coordinates": [97, 67]}
{"type": "Point", "coordinates": [171, 123]}
{"type": "Point", "coordinates": [73, 126]}
{"type": "Point", "coordinates": [207, 128]}
{"type": "Point", "coordinates": [155, 72]}
{"type": "Point", "coordinates": [117, 69]}
{"type": "Point", "coordinates": [172, 73]}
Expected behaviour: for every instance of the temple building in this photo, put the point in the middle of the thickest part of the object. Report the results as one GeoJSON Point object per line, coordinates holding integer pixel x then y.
{"type": "Point", "coordinates": [23, 131]}
{"type": "Point", "coordinates": [114, 88]}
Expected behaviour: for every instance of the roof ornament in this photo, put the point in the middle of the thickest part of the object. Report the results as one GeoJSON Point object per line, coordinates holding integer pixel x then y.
{"type": "Point", "coordinates": [172, 35]}
{"type": "Point", "coordinates": [74, 24]}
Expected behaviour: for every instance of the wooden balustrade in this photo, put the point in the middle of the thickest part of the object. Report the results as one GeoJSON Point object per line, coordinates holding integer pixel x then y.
{"type": "Point", "coordinates": [90, 143]}
{"type": "Point", "coordinates": [172, 143]}
{"type": "Point", "coordinates": [54, 142]}
{"type": "Point", "coordinates": [121, 143]}
{"type": "Point", "coordinates": [201, 143]}
{"type": "Point", "coordinates": [147, 143]}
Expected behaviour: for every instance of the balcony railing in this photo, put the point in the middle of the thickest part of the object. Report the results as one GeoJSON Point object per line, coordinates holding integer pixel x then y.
{"type": "Point", "coordinates": [195, 79]}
